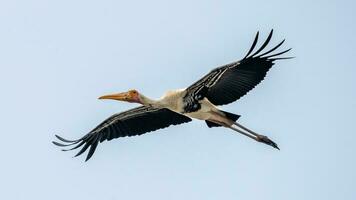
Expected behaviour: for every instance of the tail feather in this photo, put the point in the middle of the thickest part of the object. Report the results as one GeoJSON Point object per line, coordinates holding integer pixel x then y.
{"type": "Point", "coordinates": [211, 124]}
{"type": "Point", "coordinates": [231, 116]}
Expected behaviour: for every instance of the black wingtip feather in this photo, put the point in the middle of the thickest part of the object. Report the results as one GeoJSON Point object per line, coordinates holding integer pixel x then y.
{"type": "Point", "coordinates": [283, 58]}
{"type": "Point", "coordinates": [60, 144]}
{"type": "Point", "coordinates": [274, 48]}
{"type": "Point", "coordinates": [264, 44]}
{"type": "Point", "coordinates": [76, 147]}
{"type": "Point", "coordinates": [91, 150]}
{"type": "Point", "coordinates": [253, 45]}
{"type": "Point", "coordinates": [65, 140]}
{"type": "Point", "coordinates": [82, 150]}
{"type": "Point", "coordinates": [277, 54]}
{"type": "Point", "coordinates": [88, 143]}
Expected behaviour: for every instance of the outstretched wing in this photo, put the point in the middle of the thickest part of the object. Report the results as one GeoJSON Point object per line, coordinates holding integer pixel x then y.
{"type": "Point", "coordinates": [136, 121]}
{"type": "Point", "coordinates": [228, 83]}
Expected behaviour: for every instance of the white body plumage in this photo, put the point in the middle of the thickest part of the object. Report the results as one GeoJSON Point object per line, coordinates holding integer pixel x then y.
{"type": "Point", "coordinates": [173, 100]}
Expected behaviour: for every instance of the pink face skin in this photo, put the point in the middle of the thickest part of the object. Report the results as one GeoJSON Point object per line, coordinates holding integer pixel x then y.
{"type": "Point", "coordinates": [133, 96]}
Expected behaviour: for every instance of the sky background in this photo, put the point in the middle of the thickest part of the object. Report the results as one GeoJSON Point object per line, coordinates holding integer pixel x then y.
{"type": "Point", "coordinates": [57, 57]}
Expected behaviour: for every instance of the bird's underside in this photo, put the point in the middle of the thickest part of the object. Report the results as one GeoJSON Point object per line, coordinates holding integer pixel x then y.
{"type": "Point", "coordinates": [223, 85]}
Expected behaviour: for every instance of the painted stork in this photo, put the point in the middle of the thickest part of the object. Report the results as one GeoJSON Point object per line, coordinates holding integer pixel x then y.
{"type": "Point", "coordinates": [223, 85]}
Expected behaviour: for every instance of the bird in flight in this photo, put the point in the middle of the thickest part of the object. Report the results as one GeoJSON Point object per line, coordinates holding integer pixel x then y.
{"type": "Point", "coordinates": [223, 85]}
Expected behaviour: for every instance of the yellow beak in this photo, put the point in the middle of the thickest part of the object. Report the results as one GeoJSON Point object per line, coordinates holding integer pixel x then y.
{"type": "Point", "coordinates": [124, 96]}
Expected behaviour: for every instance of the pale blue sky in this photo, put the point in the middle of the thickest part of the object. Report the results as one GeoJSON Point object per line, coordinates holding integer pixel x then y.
{"type": "Point", "coordinates": [57, 57]}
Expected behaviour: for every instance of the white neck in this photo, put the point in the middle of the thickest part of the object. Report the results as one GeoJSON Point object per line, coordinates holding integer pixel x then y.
{"type": "Point", "coordinates": [150, 102]}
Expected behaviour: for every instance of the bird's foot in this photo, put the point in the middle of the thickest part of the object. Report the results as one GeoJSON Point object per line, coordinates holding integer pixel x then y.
{"type": "Point", "coordinates": [266, 140]}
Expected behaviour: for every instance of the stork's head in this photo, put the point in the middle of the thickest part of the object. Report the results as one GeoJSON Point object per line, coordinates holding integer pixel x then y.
{"type": "Point", "coordinates": [132, 96]}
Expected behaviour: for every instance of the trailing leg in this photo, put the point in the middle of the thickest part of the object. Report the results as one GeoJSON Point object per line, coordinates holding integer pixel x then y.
{"type": "Point", "coordinates": [228, 120]}
{"type": "Point", "coordinates": [213, 123]}
{"type": "Point", "coordinates": [259, 137]}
